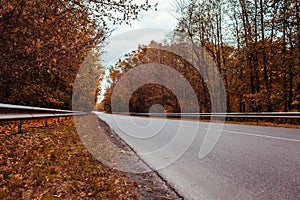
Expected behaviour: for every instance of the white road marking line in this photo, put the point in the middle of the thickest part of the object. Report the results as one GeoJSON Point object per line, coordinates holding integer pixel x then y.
{"type": "Point", "coordinates": [252, 134]}
{"type": "Point", "coordinates": [264, 136]}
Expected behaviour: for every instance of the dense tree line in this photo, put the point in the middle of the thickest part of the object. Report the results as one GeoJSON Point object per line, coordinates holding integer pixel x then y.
{"type": "Point", "coordinates": [150, 94]}
{"type": "Point", "coordinates": [260, 66]}
{"type": "Point", "coordinates": [43, 43]}
{"type": "Point", "coordinates": [255, 45]}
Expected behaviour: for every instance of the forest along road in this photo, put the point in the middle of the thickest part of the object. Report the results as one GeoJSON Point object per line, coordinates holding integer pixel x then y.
{"type": "Point", "coordinates": [248, 162]}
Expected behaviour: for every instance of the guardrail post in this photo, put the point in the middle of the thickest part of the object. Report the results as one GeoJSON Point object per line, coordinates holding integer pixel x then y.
{"type": "Point", "coordinates": [46, 122]}
{"type": "Point", "coordinates": [19, 126]}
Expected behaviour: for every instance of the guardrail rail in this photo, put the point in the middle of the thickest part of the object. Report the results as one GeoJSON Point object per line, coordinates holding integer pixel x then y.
{"type": "Point", "coordinates": [287, 115]}
{"type": "Point", "coordinates": [9, 112]}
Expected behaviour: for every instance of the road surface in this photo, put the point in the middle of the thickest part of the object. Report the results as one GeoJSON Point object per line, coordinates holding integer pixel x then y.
{"type": "Point", "coordinates": [248, 162]}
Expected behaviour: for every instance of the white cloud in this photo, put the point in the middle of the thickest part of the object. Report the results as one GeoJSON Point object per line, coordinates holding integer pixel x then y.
{"type": "Point", "coordinates": [152, 25]}
{"type": "Point", "coordinates": [128, 41]}
{"type": "Point", "coordinates": [162, 18]}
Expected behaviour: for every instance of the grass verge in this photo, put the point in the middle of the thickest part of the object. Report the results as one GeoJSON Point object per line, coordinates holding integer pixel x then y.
{"type": "Point", "coordinates": [51, 163]}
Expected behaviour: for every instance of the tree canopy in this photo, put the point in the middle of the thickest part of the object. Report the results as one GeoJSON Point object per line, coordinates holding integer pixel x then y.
{"type": "Point", "coordinates": [43, 43]}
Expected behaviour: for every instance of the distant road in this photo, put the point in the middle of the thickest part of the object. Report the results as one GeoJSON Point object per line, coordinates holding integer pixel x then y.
{"type": "Point", "coordinates": [248, 162]}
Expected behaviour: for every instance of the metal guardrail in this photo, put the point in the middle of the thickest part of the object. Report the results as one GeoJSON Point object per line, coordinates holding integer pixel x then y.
{"type": "Point", "coordinates": [286, 115]}
{"type": "Point", "coordinates": [9, 112]}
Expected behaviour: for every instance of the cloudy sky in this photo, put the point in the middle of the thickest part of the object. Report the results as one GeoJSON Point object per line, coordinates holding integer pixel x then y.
{"type": "Point", "coordinates": [162, 18]}
{"type": "Point", "coordinates": [152, 25]}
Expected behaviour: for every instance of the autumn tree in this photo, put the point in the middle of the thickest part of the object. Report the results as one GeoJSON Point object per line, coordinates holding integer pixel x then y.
{"type": "Point", "coordinates": [150, 93]}
{"type": "Point", "coordinates": [43, 43]}
{"type": "Point", "coordinates": [255, 45]}
{"type": "Point", "coordinates": [202, 24]}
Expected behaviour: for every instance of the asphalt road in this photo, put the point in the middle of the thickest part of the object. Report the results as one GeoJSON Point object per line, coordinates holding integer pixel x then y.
{"type": "Point", "coordinates": [248, 162]}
